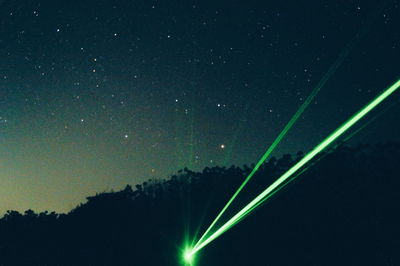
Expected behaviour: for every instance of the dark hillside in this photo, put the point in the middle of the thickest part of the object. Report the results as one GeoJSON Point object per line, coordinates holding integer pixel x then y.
{"type": "Point", "coordinates": [343, 211]}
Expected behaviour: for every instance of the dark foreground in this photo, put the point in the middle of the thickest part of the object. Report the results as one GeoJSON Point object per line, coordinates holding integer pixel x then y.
{"type": "Point", "coordinates": [343, 211]}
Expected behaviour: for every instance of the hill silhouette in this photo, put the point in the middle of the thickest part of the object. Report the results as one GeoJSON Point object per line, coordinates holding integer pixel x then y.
{"type": "Point", "coordinates": [344, 210]}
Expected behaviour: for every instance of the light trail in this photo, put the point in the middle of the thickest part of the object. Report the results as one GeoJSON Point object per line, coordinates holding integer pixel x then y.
{"type": "Point", "coordinates": [288, 174]}
{"type": "Point", "coordinates": [235, 137]}
{"type": "Point", "coordinates": [288, 126]}
{"type": "Point", "coordinates": [310, 165]}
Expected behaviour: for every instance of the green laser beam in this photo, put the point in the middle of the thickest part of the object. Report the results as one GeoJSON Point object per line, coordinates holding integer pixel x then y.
{"type": "Point", "coordinates": [325, 143]}
{"type": "Point", "coordinates": [307, 167]}
{"type": "Point", "coordinates": [288, 126]}
{"type": "Point", "coordinates": [286, 182]}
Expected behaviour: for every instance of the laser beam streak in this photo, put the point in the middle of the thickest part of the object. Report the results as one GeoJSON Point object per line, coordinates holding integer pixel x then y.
{"type": "Point", "coordinates": [332, 69]}
{"type": "Point", "coordinates": [325, 143]}
{"type": "Point", "coordinates": [283, 133]}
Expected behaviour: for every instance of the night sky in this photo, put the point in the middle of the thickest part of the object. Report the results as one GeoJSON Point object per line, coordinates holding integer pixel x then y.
{"type": "Point", "coordinates": [99, 94]}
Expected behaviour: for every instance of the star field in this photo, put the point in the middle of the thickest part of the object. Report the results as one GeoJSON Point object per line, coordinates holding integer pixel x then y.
{"type": "Point", "coordinates": [98, 94]}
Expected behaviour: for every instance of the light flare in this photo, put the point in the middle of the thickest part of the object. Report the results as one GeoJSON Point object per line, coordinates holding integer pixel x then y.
{"type": "Point", "coordinates": [289, 174]}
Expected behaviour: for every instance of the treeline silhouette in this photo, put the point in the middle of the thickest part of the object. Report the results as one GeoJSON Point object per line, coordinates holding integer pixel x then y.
{"type": "Point", "coordinates": [344, 210]}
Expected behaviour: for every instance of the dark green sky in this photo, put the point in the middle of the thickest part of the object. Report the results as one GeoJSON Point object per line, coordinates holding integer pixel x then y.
{"type": "Point", "coordinates": [98, 94]}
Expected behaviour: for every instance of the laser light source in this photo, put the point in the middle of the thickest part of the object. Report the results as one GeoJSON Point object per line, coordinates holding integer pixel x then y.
{"type": "Point", "coordinates": [188, 256]}
{"type": "Point", "coordinates": [295, 168]}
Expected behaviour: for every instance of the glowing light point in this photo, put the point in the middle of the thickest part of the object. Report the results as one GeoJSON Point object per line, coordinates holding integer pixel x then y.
{"type": "Point", "coordinates": [188, 256]}
{"type": "Point", "coordinates": [269, 191]}
{"type": "Point", "coordinates": [222, 146]}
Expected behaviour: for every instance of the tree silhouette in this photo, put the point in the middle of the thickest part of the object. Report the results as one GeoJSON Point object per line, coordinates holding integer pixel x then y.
{"type": "Point", "coordinates": [343, 210]}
